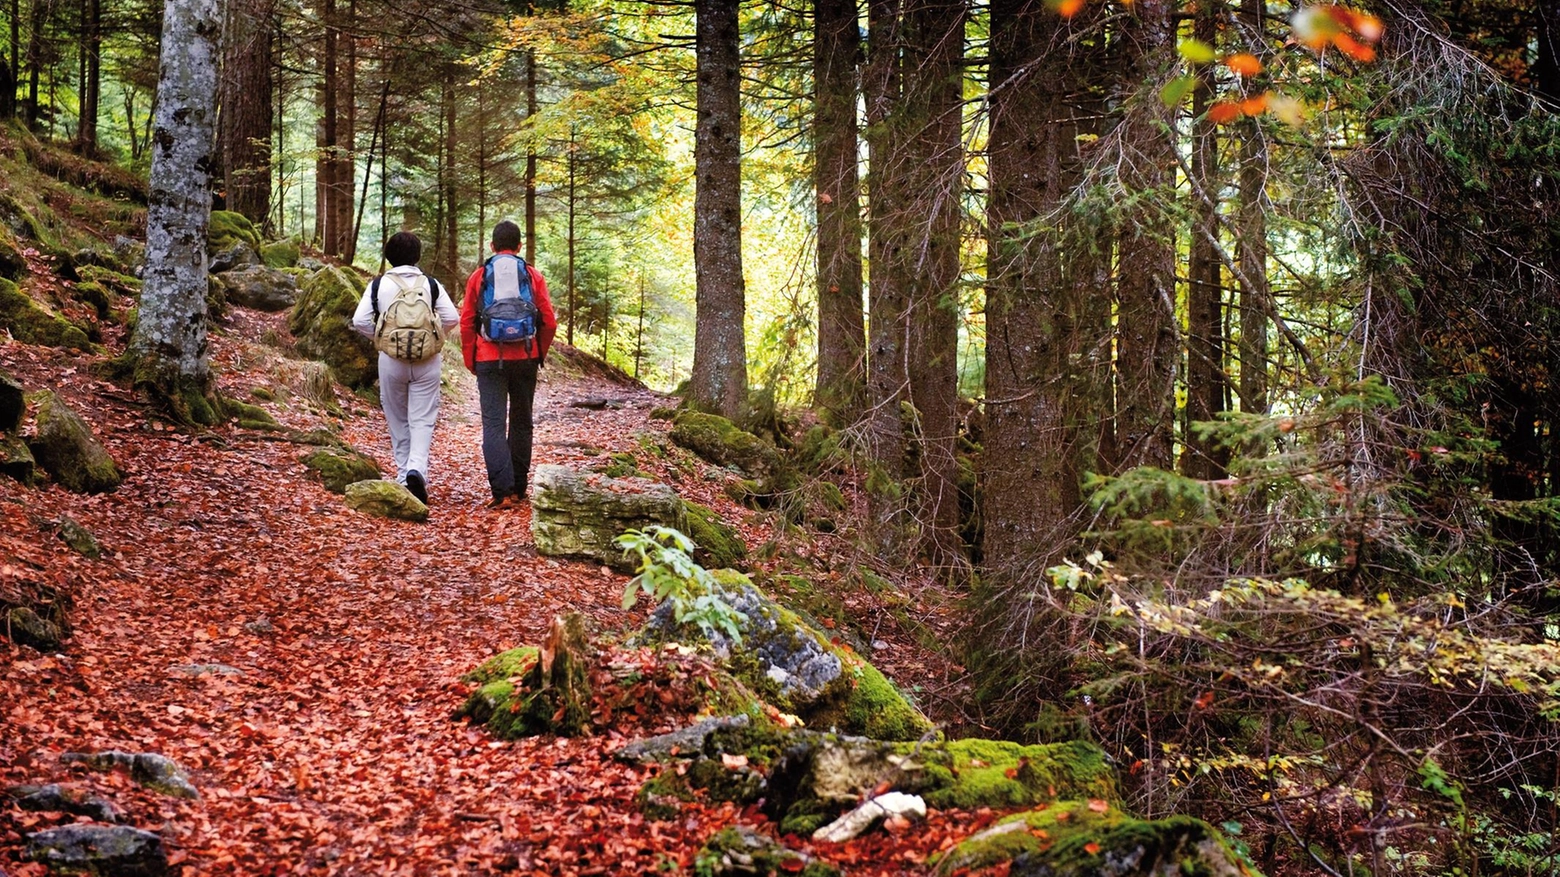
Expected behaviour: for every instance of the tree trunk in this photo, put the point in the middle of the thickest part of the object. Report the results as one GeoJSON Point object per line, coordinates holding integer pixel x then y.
{"type": "Point", "coordinates": [1038, 320]}
{"type": "Point", "coordinates": [450, 257]}
{"type": "Point", "coordinates": [1251, 249]}
{"type": "Point", "coordinates": [1546, 69]}
{"type": "Point", "coordinates": [842, 349]}
{"type": "Point", "coordinates": [168, 349]}
{"type": "Point", "coordinates": [324, 165]}
{"type": "Point", "coordinates": [42, 11]}
{"type": "Point", "coordinates": [1205, 379]}
{"type": "Point", "coordinates": [346, 143]}
{"type": "Point", "coordinates": [887, 295]}
{"type": "Point", "coordinates": [92, 76]}
{"type": "Point", "coordinates": [935, 175]}
{"type": "Point", "coordinates": [1147, 343]}
{"type": "Point", "coordinates": [530, 161]}
{"type": "Point", "coordinates": [245, 120]}
{"type": "Point", "coordinates": [719, 380]}
{"type": "Point", "coordinates": [569, 333]}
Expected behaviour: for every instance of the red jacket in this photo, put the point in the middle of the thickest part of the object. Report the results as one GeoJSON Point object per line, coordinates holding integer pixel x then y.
{"type": "Point", "coordinates": [479, 349]}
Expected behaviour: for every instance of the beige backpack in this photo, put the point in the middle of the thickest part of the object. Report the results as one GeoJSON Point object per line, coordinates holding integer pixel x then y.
{"type": "Point", "coordinates": [408, 327]}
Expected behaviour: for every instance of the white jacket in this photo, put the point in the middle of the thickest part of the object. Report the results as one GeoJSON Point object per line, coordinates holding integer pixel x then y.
{"type": "Point", "coordinates": [363, 320]}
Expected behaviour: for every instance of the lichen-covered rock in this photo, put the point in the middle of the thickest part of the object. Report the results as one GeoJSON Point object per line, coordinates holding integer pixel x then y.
{"type": "Point", "coordinates": [280, 254]}
{"type": "Point", "coordinates": [718, 545]}
{"type": "Point", "coordinates": [798, 669]}
{"type": "Point", "coordinates": [535, 690]}
{"type": "Point", "coordinates": [13, 265]}
{"type": "Point", "coordinates": [16, 459]}
{"type": "Point", "coordinates": [28, 628]}
{"type": "Point", "coordinates": [718, 440]}
{"type": "Point", "coordinates": [130, 253]}
{"type": "Point", "coordinates": [13, 402]}
{"type": "Point", "coordinates": [579, 514]}
{"type": "Point", "coordinates": [110, 279]}
{"type": "Point", "coordinates": [101, 850]}
{"type": "Point", "coordinates": [1084, 839]}
{"type": "Point", "coordinates": [228, 228]}
{"type": "Point", "coordinates": [31, 324]}
{"type": "Point", "coordinates": [240, 255]}
{"type": "Point", "coordinates": [66, 448]}
{"type": "Point", "coordinates": [385, 499]}
{"type": "Point", "coordinates": [79, 538]}
{"type": "Point", "coordinates": [156, 772]}
{"type": "Point", "coordinates": [739, 851]}
{"type": "Point", "coordinates": [322, 322]}
{"type": "Point", "coordinates": [261, 288]}
{"type": "Point", "coordinates": [56, 798]}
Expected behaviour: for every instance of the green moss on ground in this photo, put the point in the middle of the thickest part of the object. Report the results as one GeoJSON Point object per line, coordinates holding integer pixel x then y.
{"type": "Point", "coordinates": [504, 665]}
{"type": "Point", "coordinates": [251, 416]}
{"type": "Point", "coordinates": [280, 254]}
{"type": "Point", "coordinates": [337, 467]}
{"type": "Point", "coordinates": [228, 228]}
{"type": "Point", "coordinates": [973, 773]}
{"type": "Point", "coordinates": [124, 284]}
{"type": "Point", "coordinates": [719, 546]}
{"type": "Point", "coordinates": [31, 324]}
{"type": "Point", "coordinates": [537, 700]}
{"type": "Point", "coordinates": [719, 441]}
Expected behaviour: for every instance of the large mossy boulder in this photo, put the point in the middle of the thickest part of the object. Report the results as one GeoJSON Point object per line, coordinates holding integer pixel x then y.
{"type": "Point", "coordinates": [31, 324]}
{"type": "Point", "coordinates": [261, 288]}
{"type": "Point", "coordinates": [1086, 839]}
{"type": "Point", "coordinates": [65, 447]}
{"type": "Point", "coordinates": [228, 229]}
{"type": "Point", "coordinates": [28, 628]}
{"type": "Point", "coordinates": [280, 254]}
{"type": "Point", "coordinates": [535, 690]}
{"type": "Point", "coordinates": [322, 323]}
{"type": "Point", "coordinates": [385, 499]}
{"type": "Point", "coordinates": [579, 514]}
{"type": "Point", "coordinates": [13, 402]}
{"type": "Point", "coordinates": [797, 668]}
{"type": "Point", "coordinates": [16, 459]}
{"type": "Point", "coordinates": [150, 770]}
{"type": "Point", "coordinates": [717, 544]}
{"type": "Point", "coordinates": [338, 466]}
{"type": "Point", "coordinates": [719, 441]}
{"type": "Point", "coordinates": [101, 850]}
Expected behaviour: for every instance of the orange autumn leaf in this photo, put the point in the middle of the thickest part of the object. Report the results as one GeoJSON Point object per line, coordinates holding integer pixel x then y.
{"type": "Point", "coordinates": [1091, 848]}
{"type": "Point", "coordinates": [1203, 700]}
{"type": "Point", "coordinates": [1243, 64]}
{"type": "Point", "coordinates": [1354, 48]}
{"type": "Point", "coordinates": [1223, 112]}
{"type": "Point", "coordinates": [1254, 106]}
{"type": "Point", "coordinates": [1099, 805]}
{"type": "Point", "coordinates": [1069, 8]}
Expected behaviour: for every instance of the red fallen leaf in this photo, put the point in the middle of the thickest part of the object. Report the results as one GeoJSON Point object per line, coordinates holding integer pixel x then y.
{"type": "Point", "coordinates": [896, 824]}
{"type": "Point", "coordinates": [1011, 773]}
{"type": "Point", "coordinates": [1091, 848]}
{"type": "Point", "coordinates": [880, 788]}
{"type": "Point", "coordinates": [793, 865]}
{"type": "Point", "coordinates": [1224, 112]}
{"type": "Point", "coordinates": [1098, 805]}
{"type": "Point", "coordinates": [1203, 700]}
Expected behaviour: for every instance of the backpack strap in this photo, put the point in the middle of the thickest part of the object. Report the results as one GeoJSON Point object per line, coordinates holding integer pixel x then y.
{"type": "Point", "coordinates": [373, 296]}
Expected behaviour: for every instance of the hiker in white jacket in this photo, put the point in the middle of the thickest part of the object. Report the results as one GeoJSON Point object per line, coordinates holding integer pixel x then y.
{"type": "Point", "coordinates": [408, 381]}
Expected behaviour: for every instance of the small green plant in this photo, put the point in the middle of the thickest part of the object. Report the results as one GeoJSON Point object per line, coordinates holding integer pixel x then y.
{"type": "Point", "coordinates": [667, 572]}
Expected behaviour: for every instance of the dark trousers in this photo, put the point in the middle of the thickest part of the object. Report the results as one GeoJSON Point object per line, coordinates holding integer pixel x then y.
{"type": "Point", "coordinates": [506, 391]}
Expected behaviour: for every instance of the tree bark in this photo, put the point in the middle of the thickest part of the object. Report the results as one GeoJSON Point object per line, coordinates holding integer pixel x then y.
{"type": "Point", "coordinates": [324, 165]}
{"type": "Point", "coordinates": [245, 120]}
{"type": "Point", "coordinates": [168, 349]}
{"type": "Point", "coordinates": [842, 351]}
{"type": "Point", "coordinates": [935, 175]}
{"type": "Point", "coordinates": [1147, 343]}
{"type": "Point", "coordinates": [346, 144]}
{"type": "Point", "coordinates": [92, 78]}
{"type": "Point", "coordinates": [42, 11]}
{"type": "Point", "coordinates": [530, 162]}
{"type": "Point", "coordinates": [1251, 249]}
{"type": "Point", "coordinates": [450, 237]}
{"type": "Point", "coordinates": [1039, 324]}
{"type": "Point", "coordinates": [719, 380]}
{"type": "Point", "coordinates": [1547, 69]}
{"type": "Point", "coordinates": [1205, 378]}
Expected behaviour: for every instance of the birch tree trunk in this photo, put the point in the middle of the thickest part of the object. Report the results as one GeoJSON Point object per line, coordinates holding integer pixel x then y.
{"type": "Point", "coordinates": [719, 382]}
{"type": "Point", "coordinates": [168, 350]}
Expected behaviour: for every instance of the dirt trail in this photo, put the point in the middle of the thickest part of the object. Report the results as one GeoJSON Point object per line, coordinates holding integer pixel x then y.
{"type": "Point", "coordinates": [331, 750]}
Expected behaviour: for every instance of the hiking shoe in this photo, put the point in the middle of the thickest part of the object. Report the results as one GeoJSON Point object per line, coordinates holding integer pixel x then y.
{"type": "Point", "coordinates": [418, 486]}
{"type": "Point", "coordinates": [497, 502]}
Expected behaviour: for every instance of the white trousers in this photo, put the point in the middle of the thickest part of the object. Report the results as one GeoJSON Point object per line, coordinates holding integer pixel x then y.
{"type": "Point", "coordinates": [409, 394]}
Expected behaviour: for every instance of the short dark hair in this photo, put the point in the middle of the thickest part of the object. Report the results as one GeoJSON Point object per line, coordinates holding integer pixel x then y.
{"type": "Point", "coordinates": [403, 248]}
{"type": "Point", "coordinates": [506, 236]}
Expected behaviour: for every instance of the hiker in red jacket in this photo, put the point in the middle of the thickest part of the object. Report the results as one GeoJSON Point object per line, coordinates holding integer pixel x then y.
{"type": "Point", "coordinates": [506, 326]}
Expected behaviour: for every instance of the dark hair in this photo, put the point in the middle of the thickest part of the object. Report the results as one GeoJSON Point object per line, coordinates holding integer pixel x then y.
{"type": "Point", "coordinates": [403, 248]}
{"type": "Point", "coordinates": [506, 236]}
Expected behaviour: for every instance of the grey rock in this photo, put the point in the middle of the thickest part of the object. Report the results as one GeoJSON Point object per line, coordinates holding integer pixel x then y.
{"type": "Point", "coordinates": [261, 288]}
{"type": "Point", "coordinates": [260, 626]}
{"type": "Point", "coordinates": [196, 670]}
{"type": "Point", "coordinates": [309, 263]}
{"type": "Point", "coordinates": [66, 448]}
{"type": "Point", "coordinates": [16, 459]}
{"type": "Point", "coordinates": [385, 499]}
{"type": "Point", "coordinates": [131, 253]}
{"type": "Point", "coordinates": [79, 538]}
{"type": "Point", "coordinates": [104, 850]}
{"type": "Point", "coordinates": [156, 772]}
{"type": "Point", "coordinates": [64, 799]}
{"type": "Point", "coordinates": [740, 851]}
{"type": "Point", "coordinates": [684, 740]}
{"type": "Point", "coordinates": [25, 626]}
{"type": "Point", "coordinates": [579, 514]}
{"type": "Point", "coordinates": [239, 255]}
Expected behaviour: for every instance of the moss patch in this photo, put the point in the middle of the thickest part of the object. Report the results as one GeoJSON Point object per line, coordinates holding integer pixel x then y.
{"type": "Point", "coordinates": [280, 254]}
{"type": "Point", "coordinates": [124, 284]}
{"type": "Point", "coordinates": [66, 448]}
{"type": "Point", "coordinates": [973, 773]}
{"type": "Point", "coordinates": [322, 323]}
{"type": "Point", "coordinates": [228, 228]}
{"type": "Point", "coordinates": [539, 699]}
{"type": "Point", "coordinates": [719, 546]}
{"type": "Point", "coordinates": [31, 324]}
{"type": "Point", "coordinates": [721, 442]}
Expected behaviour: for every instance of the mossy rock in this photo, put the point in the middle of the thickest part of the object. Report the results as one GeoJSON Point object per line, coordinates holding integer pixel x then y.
{"type": "Point", "coordinates": [579, 514]}
{"type": "Point", "coordinates": [20, 221]}
{"type": "Point", "coordinates": [28, 628]}
{"type": "Point", "coordinates": [124, 284]}
{"type": "Point", "coordinates": [518, 696]}
{"type": "Point", "coordinates": [719, 441]}
{"type": "Point", "coordinates": [739, 851]}
{"type": "Point", "coordinates": [1082, 839]}
{"type": "Point", "coordinates": [620, 465]}
{"type": "Point", "coordinates": [95, 294]}
{"type": "Point", "coordinates": [280, 254]}
{"type": "Point", "coordinates": [718, 545]}
{"type": "Point", "coordinates": [66, 448]}
{"type": "Point", "coordinates": [13, 402]}
{"type": "Point", "coordinates": [322, 322]}
{"type": "Point", "coordinates": [13, 265]}
{"type": "Point", "coordinates": [31, 324]}
{"type": "Point", "coordinates": [16, 459]}
{"type": "Point", "coordinates": [819, 451]}
{"type": "Point", "coordinates": [385, 499]}
{"type": "Point", "coordinates": [228, 228]}
{"type": "Point", "coordinates": [99, 850]}
{"type": "Point", "coordinates": [78, 537]}
{"type": "Point", "coordinates": [797, 668]}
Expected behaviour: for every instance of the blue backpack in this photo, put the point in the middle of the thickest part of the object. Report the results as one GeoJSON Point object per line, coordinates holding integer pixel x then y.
{"type": "Point", "coordinates": [506, 312]}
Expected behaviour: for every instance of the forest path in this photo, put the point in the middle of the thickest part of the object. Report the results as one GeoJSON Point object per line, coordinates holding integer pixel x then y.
{"type": "Point", "coordinates": [329, 748]}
